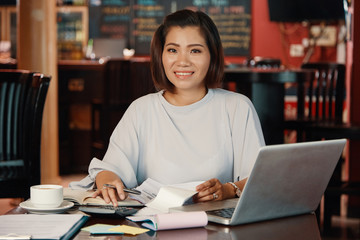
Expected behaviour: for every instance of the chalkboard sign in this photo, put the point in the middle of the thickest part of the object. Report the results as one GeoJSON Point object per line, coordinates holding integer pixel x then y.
{"type": "Point", "coordinates": [232, 18]}
{"type": "Point", "coordinates": [137, 20]}
{"type": "Point", "coordinates": [110, 19]}
{"type": "Point", "coordinates": [148, 15]}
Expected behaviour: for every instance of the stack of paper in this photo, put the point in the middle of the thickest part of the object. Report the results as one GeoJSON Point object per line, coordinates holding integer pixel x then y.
{"type": "Point", "coordinates": [172, 220]}
{"type": "Point", "coordinates": [51, 226]}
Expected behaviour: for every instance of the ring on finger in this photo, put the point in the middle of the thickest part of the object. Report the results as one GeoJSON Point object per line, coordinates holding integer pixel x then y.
{"type": "Point", "coordinates": [106, 186]}
{"type": "Point", "coordinates": [215, 196]}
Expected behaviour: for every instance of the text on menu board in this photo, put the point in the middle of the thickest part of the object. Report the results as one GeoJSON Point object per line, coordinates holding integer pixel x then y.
{"type": "Point", "coordinates": [137, 20]}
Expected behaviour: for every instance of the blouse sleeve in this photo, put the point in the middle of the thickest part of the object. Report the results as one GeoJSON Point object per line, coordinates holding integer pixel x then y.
{"type": "Point", "coordinates": [247, 137]}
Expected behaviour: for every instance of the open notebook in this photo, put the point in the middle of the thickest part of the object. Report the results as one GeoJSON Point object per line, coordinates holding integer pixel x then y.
{"type": "Point", "coordinates": [287, 180]}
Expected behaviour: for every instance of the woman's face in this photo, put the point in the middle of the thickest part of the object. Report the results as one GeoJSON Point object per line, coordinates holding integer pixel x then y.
{"type": "Point", "coordinates": [186, 58]}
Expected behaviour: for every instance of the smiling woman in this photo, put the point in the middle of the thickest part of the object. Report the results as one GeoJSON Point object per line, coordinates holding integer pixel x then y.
{"type": "Point", "coordinates": [186, 60]}
{"type": "Point", "coordinates": [202, 38]}
{"type": "Point", "coordinates": [190, 130]}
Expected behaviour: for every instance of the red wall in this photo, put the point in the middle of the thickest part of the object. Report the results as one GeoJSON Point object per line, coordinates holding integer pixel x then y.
{"type": "Point", "coordinates": [267, 41]}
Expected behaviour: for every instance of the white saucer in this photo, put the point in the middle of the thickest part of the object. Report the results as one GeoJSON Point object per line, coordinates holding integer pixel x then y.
{"type": "Point", "coordinates": [32, 209]}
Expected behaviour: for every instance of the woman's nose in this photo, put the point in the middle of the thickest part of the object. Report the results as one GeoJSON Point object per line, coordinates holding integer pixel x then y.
{"type": "Point", "coordinates": [183, 59]}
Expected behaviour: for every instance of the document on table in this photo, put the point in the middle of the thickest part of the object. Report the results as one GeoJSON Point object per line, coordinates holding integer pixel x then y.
{"type": "Point", "coordinates": [159, 197]}
{"type": "Point", "coordinates": [51, 226]}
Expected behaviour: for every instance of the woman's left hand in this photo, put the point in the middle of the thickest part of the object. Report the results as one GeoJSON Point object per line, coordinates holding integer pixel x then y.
{"type": "Point", "coordinates": [211, 190]}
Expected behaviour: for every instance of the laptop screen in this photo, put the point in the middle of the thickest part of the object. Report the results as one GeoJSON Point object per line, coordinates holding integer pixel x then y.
{"type": "Point", "coordinates": [107, 47]}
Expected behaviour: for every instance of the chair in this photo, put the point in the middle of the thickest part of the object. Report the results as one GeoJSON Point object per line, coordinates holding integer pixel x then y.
{"type": "Point", "coordinates": [324, 120]}
{"type": "Point", "coordinates": [124, 81]}
{"type": "Point", "coordinates": [106, 112]}
{"type": "Point", "coordinates": [325, 94]}
{"type": "Point", "coordinates": [22, 98]}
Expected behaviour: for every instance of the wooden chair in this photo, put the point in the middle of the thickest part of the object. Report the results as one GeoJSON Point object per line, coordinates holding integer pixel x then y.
{"type": "Point", "coordinates": [22, 98]}
{"type": "Point", "coordinates": [124, 81]}
{"type": "Point", "coordinates": [324, 120]}
{"type": "Point", "coordinates": [106, 112]}
{"type": "Point", "coordinates": [325, 95]}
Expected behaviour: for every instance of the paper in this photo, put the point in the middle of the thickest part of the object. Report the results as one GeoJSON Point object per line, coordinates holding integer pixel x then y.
{"type": "Point", "coordinates": [150, 188]}
{"type": "Point", "coordinates": [51, 226]}
{"type": "Point", "coordinates": [113, 229]}
{"type": "Point", "coordinates": [169, 197]}
{"type": "Point", "coordinates": [172, 220]}
{"type": "Point", "coordinates": [159, 197]}
{"type": "Point", "coordinates": [83, 197]}
{"type": "Point", "coordinates": [129, 230]}
{"type": "Point", "coordinates": [100, 229]}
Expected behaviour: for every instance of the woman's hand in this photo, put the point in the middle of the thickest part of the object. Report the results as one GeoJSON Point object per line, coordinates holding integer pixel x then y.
{"type": "Point", "coordinates": [213, 190]}
{"type": "Point", "coordinates": [109, 194]}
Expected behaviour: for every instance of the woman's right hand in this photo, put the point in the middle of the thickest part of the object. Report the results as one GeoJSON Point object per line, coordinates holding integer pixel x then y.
{"type": "Point", "coordinates": [109, 194]}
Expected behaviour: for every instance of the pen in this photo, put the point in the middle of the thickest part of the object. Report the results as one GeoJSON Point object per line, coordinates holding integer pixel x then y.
{"type": "Point", "coordinates": [133, 191]}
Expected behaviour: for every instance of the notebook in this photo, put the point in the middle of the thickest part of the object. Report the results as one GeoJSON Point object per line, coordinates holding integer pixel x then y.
{"type": "Point", "coordinates": [287, 180]}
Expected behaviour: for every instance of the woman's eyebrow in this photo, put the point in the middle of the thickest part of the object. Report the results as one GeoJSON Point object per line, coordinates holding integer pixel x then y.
{"type": "Point", "coordinates": [190, 45]}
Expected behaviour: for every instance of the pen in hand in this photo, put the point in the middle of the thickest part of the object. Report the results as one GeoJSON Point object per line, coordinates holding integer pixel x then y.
{"type": "Point", "coordinates": [132, 191]}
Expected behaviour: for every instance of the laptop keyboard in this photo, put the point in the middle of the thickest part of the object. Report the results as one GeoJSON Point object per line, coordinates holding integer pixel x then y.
{"type": "Point", "coordinates": [225, 212]}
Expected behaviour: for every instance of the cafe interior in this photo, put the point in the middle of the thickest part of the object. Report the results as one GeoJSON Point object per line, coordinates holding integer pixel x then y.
{"type": "Point", "coordinates": [298, 61]}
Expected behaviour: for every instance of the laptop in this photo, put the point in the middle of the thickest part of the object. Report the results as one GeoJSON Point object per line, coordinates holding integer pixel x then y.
{"type": "Point", "coordinates": [108, 47]}
{"type": "Point", "coordinates": [286, 180]}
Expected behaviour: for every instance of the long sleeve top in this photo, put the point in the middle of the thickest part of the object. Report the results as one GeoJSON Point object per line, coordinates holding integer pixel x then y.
{"type": "Point", "coordinates": [216, 137]}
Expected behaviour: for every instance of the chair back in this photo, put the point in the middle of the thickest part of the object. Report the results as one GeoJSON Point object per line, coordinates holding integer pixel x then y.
{"type": "Point", "coordinates": [14, 85]}
{"type": "Point", "coordinates": [33, 120]}
{"type": "Point", "coordinates": [124, 81]}
{"type": "Point", "coordinates": [117, 83]}
{"type": "Point", "coordinates": [22, 98]}
{"type": "Point", "coordinates": [326, 92]}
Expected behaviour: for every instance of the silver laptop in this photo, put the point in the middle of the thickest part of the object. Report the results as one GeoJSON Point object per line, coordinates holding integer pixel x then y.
{"type": "Point", "coordinates": [287, 180]}
{"type": "Point", "coordinates": [108, 47]}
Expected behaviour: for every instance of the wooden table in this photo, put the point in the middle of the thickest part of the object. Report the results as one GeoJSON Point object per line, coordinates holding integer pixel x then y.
{"type": "Point", "coordinates": [266, 89]}
{"type": "Point", "coordinates": [298, 227]}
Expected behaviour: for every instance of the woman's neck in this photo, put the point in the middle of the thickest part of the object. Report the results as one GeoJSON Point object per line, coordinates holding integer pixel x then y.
{"type": "Point", "coordinates": [183, 98]}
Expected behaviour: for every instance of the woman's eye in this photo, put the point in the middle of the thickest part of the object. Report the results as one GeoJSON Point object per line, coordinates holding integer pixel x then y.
{"type": "Point", "coordinates": [171, 50]}
{"type": "Point", "coordinates": [195, 51]}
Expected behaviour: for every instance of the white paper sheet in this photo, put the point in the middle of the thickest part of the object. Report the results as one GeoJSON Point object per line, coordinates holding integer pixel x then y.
{"type": "Point", "coordinates": [169, 196]}
{"type": "Point", "coordinates": [52, 226]}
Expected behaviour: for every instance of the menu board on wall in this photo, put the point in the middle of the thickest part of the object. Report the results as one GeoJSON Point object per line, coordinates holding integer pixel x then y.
{"type": "Point", "coordinates": [148, 15]}
{"type": "Point", "coordinates": [110, 19]}
{"type": "Point", "coordinates": [232, 18]}
{"type": "Point", "coordinates": [137, 20]}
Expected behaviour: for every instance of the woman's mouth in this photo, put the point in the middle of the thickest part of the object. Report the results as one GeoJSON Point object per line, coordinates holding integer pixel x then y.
{"type": "Point", "coordinates": [183, 74]}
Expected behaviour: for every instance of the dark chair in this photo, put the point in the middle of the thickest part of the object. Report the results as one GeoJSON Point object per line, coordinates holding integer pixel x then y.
{"type": "Point", "coordinates": [22, 98]}
{"type": "Point", "coordinates": [106, 111]}
{"type": "Point", "coordinates": [124, 81]}
{"type": "Point", "coordinates": [323, 119]}
{"type": "Point", "coordinates": [325, 99]}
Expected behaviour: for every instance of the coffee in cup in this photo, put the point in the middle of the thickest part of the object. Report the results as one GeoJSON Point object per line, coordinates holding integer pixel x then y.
{"type": "Point", "coordinates": [46, 195]}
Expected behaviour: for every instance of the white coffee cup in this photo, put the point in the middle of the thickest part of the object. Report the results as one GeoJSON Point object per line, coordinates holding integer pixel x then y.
{"type": "Point", "coordinates": [46, 195]}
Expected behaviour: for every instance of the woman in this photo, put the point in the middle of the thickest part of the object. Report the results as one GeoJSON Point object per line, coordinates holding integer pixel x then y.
{"type": "Point", "coordinates": [188, 131]}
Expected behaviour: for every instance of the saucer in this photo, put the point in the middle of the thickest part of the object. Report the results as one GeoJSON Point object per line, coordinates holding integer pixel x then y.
{"type": "Point", "coordinates": [32, 209]}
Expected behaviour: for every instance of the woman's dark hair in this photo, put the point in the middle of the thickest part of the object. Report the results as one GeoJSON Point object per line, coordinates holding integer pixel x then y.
{"type": "Point", "coordinates": [186, 18]}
